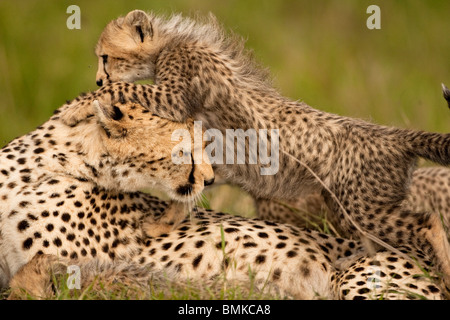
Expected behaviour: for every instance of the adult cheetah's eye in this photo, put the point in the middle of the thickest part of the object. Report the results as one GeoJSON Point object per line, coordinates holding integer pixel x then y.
{"type": "Point", "coordinates": [182, 154]}
{"type": "Point", "coordinates": [105, 58]}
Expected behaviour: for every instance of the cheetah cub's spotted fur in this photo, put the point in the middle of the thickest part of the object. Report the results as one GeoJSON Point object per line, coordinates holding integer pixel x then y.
{"type": "Point", "coordinates": [62, 186]}
{"type": "Point", "coordinates": [429, 191]}
{"type": "Point", "coordinates": [201, 72]}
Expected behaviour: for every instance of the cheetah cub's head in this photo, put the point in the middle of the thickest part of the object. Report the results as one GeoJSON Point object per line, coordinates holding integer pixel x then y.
{"type": "Point", "coordinates": [127, 49]}
{"type": "Point", "coordinates": [144, 152]}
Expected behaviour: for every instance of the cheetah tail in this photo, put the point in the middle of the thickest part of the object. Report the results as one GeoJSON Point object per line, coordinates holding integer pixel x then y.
{"type": "Point", "coordinates": [446, 93]}
{"type": "Point", "coordinates": [431, 146]}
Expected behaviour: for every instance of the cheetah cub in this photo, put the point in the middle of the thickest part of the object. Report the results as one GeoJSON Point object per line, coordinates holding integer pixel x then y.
{"type": "Point", "coordinates": [199, 71]}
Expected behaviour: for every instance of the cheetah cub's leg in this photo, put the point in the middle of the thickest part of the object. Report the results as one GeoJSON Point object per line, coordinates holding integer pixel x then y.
{"type": "Point", "coordinates": [174, 214]}
{"type": "Point", "coordinates": [309, 211]}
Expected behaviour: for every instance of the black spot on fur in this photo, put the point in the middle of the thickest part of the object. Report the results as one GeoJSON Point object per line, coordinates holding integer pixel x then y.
{"type": "Point", "coordinates": [199, 244]}
{"type": "Point", "coordinates": [260, 259]}
{"type": "Point", "coordinates": [27, 243]}
{"type": "Point", "coordinates": [250, 245]}
{"type": "Point", "coordinates": [57, 242]}
{"type": "Point", "coordinates": [23, 225]}
{"type": "Point", "coordinates": [197, 261]}
{"type": "Point", "coordinates": [291, 254]}
{"type": "Point", "coordinates": [263, 235]}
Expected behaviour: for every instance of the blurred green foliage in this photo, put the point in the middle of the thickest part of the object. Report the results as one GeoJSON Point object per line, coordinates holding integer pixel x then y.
{"type": "Point", "coordinates": [320, 52]}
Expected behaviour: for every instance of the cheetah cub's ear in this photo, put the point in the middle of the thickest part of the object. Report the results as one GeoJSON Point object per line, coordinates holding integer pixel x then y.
{"type": "Point", "coordinates": [109, 118]}
{"type": "Point", "coordinates": [140, 22]}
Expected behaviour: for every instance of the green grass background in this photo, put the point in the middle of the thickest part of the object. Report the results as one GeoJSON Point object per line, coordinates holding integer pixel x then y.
{"type": "Point", "coordinates": [320, 52]}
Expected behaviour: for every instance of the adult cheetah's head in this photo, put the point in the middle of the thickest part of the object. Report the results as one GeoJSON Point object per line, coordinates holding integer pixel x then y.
{"type": "Point", "coordinates": [142, 154]}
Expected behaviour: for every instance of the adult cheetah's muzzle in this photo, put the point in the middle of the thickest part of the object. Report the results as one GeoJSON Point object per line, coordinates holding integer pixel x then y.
{"type": "Point", "coordinates": [185, 190]}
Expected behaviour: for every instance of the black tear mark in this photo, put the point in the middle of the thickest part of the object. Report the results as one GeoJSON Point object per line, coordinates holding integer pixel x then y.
{"type": "Point", "coordinates": [105, 60]}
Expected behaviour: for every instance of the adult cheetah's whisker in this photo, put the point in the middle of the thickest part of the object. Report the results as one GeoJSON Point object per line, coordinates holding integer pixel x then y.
{"type": "Point", "coordinates": [365, 235]}
{"type": "Point", "coordinates": [191, 206]}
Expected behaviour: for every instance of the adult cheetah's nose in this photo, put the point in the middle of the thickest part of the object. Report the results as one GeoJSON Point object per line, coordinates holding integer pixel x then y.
{"type": "Point", "coordinates": [208, 182]}
{"type": "Point", "coordinates": [99, 82]}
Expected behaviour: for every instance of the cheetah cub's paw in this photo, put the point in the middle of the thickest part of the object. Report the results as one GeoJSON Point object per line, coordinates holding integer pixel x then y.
{"type": "Point", "coordinates": [174, 214]}
{"type": "Point", "coordinates": [78, 110]}
{"type": "Point", "coordinates": [81, 108]}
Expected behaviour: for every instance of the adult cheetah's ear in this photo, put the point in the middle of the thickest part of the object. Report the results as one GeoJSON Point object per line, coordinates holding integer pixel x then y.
{"type": "Point", "coordinates": [106, 112]}
{"type": "Point", "coordinates": [109, 118]}
{"type": "Point", "coordinates": [446, 92]}
{"type": "Point", "coordinates": [140, 22]}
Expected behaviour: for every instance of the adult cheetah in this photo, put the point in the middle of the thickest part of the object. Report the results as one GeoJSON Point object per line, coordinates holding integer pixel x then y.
{"type": "Point", "coordinates": [71, 190]}
{"type": "Point", "coordinates": [199, 71]}
{"type": "Point", "coordinates": [276, 258]}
